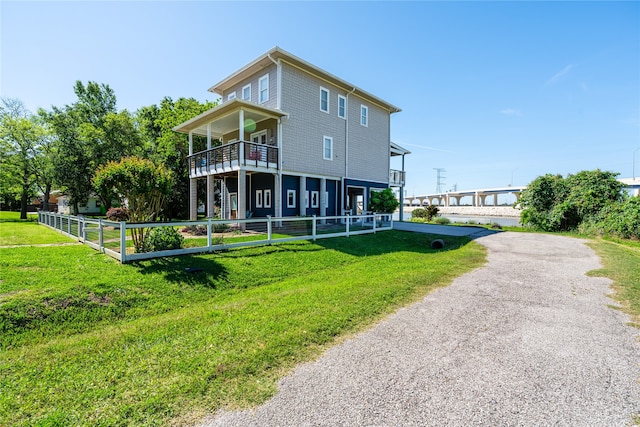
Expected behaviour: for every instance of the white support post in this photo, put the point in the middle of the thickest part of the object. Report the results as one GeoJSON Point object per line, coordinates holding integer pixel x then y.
{"type": "Point", "coordinates": [100, 235]}
{"type": "Point", "coordinates": [375, 219]}
{"type": "Point", "coordinates": [313, 228]}
{"type": "Point", "coordinates": [348, 221]}
{"type": "Point", "coordinates": [123, 242]}
{"type": "Point", "coordinates": [209, 234]}
{"type": "Point", "coordinates": [269, 229]}
{"type": "Point", "coordinates": [210, 197]}
{"type": "Point", "coordinates": [193, 199]}
{"type": "Point", "coordinates": [241, 125]}
{"type": "Point", "coordinates": [69, 224]}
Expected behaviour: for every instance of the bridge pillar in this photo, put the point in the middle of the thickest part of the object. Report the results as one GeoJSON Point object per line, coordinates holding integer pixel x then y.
{"type": "Point", "coordinates": [495, 199]}
{"type": "Point", "coordinates": [421, 201]}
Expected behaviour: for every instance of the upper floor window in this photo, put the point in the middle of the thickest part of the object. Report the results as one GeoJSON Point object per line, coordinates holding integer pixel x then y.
{"type": "Point", "coordinates": [246, 92]}
{"type": "Point", "coordinates": [342, 107]}
{"type": "Point", "coordinates": [324, 99]}
{"type": "Point", "coordinates": [263, 88]}
{"type": "Point", "coordinates": [231, 96]}
{"type": "Point", "coordinates": [364, 115]}
{"type": "Point", "coordinates": [327, 148]}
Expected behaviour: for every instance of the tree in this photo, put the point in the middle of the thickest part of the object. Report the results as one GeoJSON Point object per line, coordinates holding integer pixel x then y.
{"type": "Point", "coordinates": [163, 145]}
{"type": "Point", "coordinates": [383, 201]}
{"type": "Point", "coordinates": [20, 136]}
{"type": "Point", "coordinates": [554, 203]}
{"type": "Point", "coordinates": [141, 185]}
{"type": "Point", "coordinates": [91, 132]}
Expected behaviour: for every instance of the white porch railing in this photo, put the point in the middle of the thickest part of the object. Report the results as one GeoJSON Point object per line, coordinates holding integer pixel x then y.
{"type": "Point", "coordinates": [114, 238]}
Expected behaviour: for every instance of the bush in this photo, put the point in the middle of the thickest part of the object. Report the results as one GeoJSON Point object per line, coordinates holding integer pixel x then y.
{"type": "Point", "coordinates": [383, 201]}
{"type": "Point", "coordinates": [622, 220]}
{"type": "Point", "coordinates": [419, 213]}
{"type": "Point", "coordinates": [427, 214]}
{"type": "Point", "coordinates": [163, 239]}
{"type": "Point", "coordinates": [118, 214]}
{"type": "Point", "coordinates": [442, 220]}
{"type": "Point", "coordinates": [195, 230]}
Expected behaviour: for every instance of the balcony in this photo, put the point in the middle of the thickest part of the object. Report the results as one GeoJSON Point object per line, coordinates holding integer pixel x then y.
{"type": "Point", "coordinates": [396, 178]}
{"type": "Point", "coordinates": [232, 157]}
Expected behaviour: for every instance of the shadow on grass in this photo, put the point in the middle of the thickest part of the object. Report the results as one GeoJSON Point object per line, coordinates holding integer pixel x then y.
{"type": "Point", "coordinates": [187, 269]}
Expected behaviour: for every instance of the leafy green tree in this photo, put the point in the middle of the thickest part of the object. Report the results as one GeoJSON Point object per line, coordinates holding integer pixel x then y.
{"type": "Point", "coordinates": [141, 185]}
{"type": "Point", "coordinates": [163, 145]}
{"type": "Point", "coordinates": [20, 136]}
{"type": "Point", "coordinates": [554, 203]}
{"type": "Point", "coordinates": [383, 201]}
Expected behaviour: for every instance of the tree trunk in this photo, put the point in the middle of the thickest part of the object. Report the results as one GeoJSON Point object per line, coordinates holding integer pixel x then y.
{"type": "Point", "coordinates": [24, 198]}
{"type": "Point", "coordinates": [47, 194]}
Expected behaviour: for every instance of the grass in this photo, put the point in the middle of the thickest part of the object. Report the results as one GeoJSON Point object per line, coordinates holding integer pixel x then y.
{"type": "Point", "coordinates": [621, 260]}
{"type": "Point", "coordinates": [14, 231]}
{"type": "Point", "coordinates": [85, 340]}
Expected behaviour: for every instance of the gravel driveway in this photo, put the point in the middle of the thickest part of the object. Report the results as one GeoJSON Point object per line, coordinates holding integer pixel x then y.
{"type": "Point", "coordinates": [526, 340]}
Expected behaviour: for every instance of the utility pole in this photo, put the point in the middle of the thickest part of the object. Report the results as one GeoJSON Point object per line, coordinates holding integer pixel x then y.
{"type": "Point", "coordinates": [440, 179]}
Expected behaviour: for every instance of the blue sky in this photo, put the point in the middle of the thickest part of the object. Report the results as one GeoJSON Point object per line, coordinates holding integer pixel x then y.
{"type": "Point", "coordinates": [493, 92]}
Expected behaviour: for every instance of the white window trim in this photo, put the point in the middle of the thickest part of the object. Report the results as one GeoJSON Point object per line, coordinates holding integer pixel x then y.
{"type": "Point", "coordinates": [261, 88]}
{"type": "Point", "coordinates": [231, 96]}
{"type": "Point", "coordinates": [291, 202]}
{"type": "Point", "coordinates": [246, 87]}
{"type": "Point", "coordinates": [259, 199]}
{"type": "Point", "coordinates": [365, 115]}
{"type": "Point", "coordinates": [324, 140]}
{"type": "Point", "coordinates": [315, 199]}
{"type": "Point", "coordinates": [342, 98]}
{"type": "Point", "coordinates": [324, 89]}
{"type": "Point", "coordinates": [267, 198]}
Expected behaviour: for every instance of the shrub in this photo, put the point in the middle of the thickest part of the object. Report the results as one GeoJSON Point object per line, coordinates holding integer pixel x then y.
{"type": "Point", "coordinates": [383, 201]}
{"type": "Point", "coordinates": [195, 230]}
{"type": "Point", "coordinates": [221, 228]}
{"type": "Point", "coordinates": [442, 220]}
{"type": "Point", "coordinates": [118, 214]}
{"type": "Point", "coordinates": [163, 239]}
{"type": "Point", "coordinates": [419, 213]}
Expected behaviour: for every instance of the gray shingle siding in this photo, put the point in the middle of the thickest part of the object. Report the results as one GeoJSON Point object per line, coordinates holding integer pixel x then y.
{"type": "Point", "coordinates": [303, 131]}
{"type": "Point", "coordinates": [273, 87]}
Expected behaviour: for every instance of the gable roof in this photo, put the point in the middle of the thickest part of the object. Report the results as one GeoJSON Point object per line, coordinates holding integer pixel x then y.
{"type": "Point", "coordinates": [278, 54]}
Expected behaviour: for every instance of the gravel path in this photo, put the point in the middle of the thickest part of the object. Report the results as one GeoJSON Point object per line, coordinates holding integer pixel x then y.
{"type": "Point", "coordinates": [526, 340]}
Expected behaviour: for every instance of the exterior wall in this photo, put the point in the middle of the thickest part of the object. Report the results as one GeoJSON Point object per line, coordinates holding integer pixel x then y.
{"type": "Point", "coordinates": [92, 207]}
{"type": "Point", "coordinates": [306, 126]}
{"type": "Point", "coordinates": [260, 182]}
{"type": "Point", "coordinates": [303, 131]}
{"type": "Point", "coordinates": [273, 87]}
{"type": "Point", "coordinates": [290, 182]}
{"type": "Point", "coordinates": [368, 146]}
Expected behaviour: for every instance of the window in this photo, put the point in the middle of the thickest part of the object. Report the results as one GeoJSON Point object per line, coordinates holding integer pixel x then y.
{"type": "Point", "coordinates": [246, 92]}
{"type": "Point", "coordinates": [342, 107]}
{"type": "Point", "coordinates": [327, 148]}
{"type": "Point", "coordinates": [324, 99]}
{"type": "Point", "coordinates": [291, 198]}
{"type": "Point", "coordinates": [315, 199]}
{"type": "Point", "coordinates": [231, 96]}
{"type": "Point", "coordinates": [267, 198]}
{"type": "Point", "coordinates": [306, 199]}
{"type": "Point", "coordinates": [364, 115]}
{"type": "Point", "coordinates": [258, 198]}
{"type": "Point", "coordinates": [263, 88]}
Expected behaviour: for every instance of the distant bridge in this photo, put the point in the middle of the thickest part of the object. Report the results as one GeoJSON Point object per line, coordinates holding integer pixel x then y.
{"type": "Point", "coordinates": [479, 197]}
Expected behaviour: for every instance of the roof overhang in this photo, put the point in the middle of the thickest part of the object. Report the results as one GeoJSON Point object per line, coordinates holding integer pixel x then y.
{"type": "Point", "coordinates": [277, 54]}
{"type": "Point", "coordinates": [224, 117]}
{"type": "Point", "coordinates": [397, 150]}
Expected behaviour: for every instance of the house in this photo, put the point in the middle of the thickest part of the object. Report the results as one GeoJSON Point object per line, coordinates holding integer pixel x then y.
{"type": "Point", "coordinates": [93, 206]}
{"type": "Point", "coordinates": [290, 139]}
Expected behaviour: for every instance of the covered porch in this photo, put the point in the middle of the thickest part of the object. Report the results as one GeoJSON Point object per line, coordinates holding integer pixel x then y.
{"type": "Point", "coordinates": [241, 137]}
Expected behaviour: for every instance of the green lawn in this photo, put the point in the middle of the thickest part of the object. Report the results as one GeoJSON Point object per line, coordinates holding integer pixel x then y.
{"type": "Point", "coordinates": [85, 340]}
{"type": "Point", "coordinates": [14, 231]}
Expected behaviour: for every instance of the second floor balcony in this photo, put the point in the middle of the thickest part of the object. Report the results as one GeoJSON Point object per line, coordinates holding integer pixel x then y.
{"type": "Point", "coordinates": [232, 157]}
{"type": "Point", "coordinates": [396, 178]}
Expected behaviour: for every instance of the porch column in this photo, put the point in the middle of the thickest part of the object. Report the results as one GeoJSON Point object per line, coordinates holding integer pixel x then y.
{"type": "Point", "coordinates": [277, 196]}
{"type": "Point", "coordinates": [193, 199]}
{"type": "Point", "coordinates": [241, 125]}
{"type": "Point", "coordinates": [209, 136]}
{"type": "Point", "coordinates": [225, 212]}
{"type": "Point", "coordinates": [323, 196]}
{"type": "Point", "coordinates": [242, 194]}
{"type": "Point", "coordinates": [303, 195]}
{"type": "Point", "coordinates": [190, 143]}
{"type": "Point", "coordinates": [210, 196]}
{"type": "Point", "coordinates": [401, 216]}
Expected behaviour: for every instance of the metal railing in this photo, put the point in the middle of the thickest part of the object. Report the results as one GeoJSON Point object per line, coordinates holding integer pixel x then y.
{"type": "Point", "coordinates": [396, 177]}
{"type": "Point", "coordinates": [233, 155]}
{"type": "Point", "coordinates": [114, 238]}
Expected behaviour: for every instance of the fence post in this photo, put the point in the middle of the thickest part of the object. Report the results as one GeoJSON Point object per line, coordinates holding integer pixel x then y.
{"type": "Point", "coordinates": [313, 228]}
{"type": "Point", "coordinates": [123, 241]}
{"type": "Point", "coordinates": [84, 230]}
{"type": "Point", "coordinates": [100, 235]}
{"type": "Point", "coordinates": [269, 228]}
{"type": "Point", "coordinates": [348, 224]}
{"type": "Point", "coordinates": [69, 223]}
{"type": "Point", "coordinates": [374, 223]}
{"type": "Point", "coordinates": [209, 234]}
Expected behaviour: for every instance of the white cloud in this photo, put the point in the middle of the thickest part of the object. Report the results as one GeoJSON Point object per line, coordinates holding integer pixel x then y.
{"type": "Point", "coordinates": [560, 74]}
{"type": "Point", "coordinates": [511, 112]}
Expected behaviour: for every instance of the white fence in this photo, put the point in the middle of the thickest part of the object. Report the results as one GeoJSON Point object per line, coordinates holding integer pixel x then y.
{"type": "Point", "coordinates": [114, 238]}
